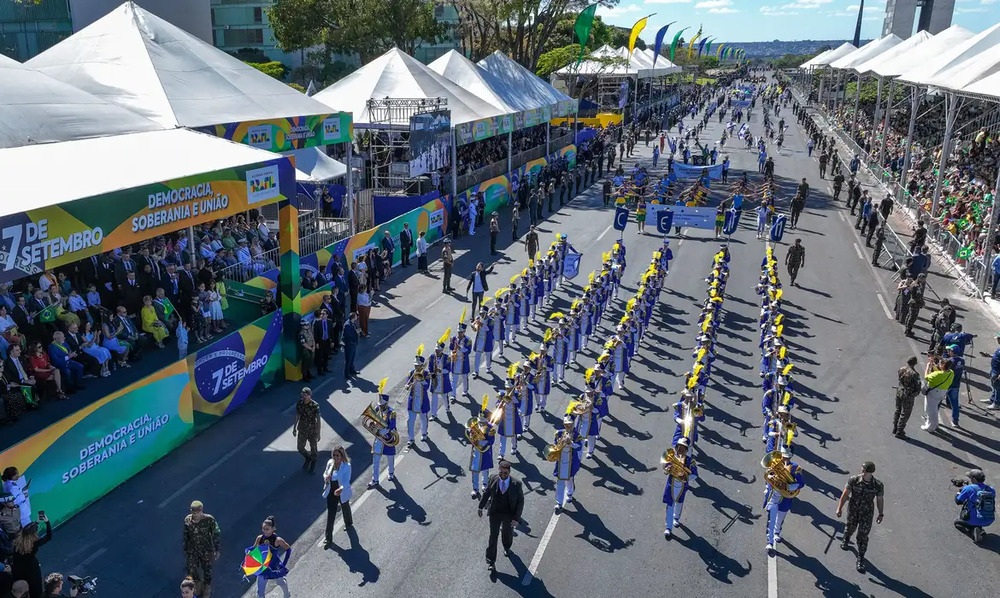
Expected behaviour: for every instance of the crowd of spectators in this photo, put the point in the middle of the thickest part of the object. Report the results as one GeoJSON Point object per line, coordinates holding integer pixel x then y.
{"type": "Point", "coordinates": [480, 154]}
{"type": "Point", "coordinates": [92, 317]}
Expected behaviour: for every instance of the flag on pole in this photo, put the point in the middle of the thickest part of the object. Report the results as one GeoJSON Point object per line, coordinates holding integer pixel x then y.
{"type": "Point", "coordinates": [693, 40]}
{"type": "Point", "coordinates": [673, 44]}
{"type": "Point", "coordinates": [659, 41]}
{"type": "Point", "coordinates": [701, 46]}
{"type": "Point", "coordinates": [708, 46]}
{"type": "Point", "coordinates": [621, 218]}
{"type": "Point", "coordinates": [636, 30]}
{"type": "Point", "coordinates": [584, 21]}
{"type": "Point", "coordinates": [49, 313]}
{"type": "Point", "coordinates": [718, 52]}
{"type": "Point", "coordinates": [168, 308]}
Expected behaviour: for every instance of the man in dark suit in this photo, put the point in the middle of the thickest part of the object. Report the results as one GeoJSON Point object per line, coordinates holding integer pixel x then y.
{"type": "Point", "coordinates": [406, 243]}
{"type": "Point", "coordinates": [353, 286]}
{"type": "Point", "coordinates": [131, 293]}
{"type": "Point", "coordinates": [336, 315]}
{"type": "Point", "coordinates": [91, 366]}
{"type": "Point", "coordinates": [323, 333]}
{"type": "Point", "coordinates": [123, 267]}
{"type": "Point", "coordinates": [478, 285]}
{"type": "Point", "coordinates": [505, 498]}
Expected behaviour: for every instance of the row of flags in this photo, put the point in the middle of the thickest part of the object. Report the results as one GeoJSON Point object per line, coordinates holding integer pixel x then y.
{"type": "Point", "coordinates": [585, 20]}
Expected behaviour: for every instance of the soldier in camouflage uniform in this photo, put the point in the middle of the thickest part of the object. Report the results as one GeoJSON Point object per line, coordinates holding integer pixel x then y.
{"type": "Point", "coordinates": [202, 546]}
{"type": "Point", "coordinates": [862, 493]}
{"type": "Point", "coordinates": [906, 392]}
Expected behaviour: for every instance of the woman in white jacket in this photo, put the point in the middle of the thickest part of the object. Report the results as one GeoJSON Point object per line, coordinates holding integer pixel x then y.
{"type": "Point", "coordinates": [337, 490]}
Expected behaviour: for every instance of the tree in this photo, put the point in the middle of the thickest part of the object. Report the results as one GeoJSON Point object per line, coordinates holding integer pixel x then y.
{"type": "Point", "coordinates": [518, 28]}
{"type": "Point", "coordinates": [366, 27]}
{"type": "Point", "coordinates": [274, 69]}
{"type": "Point", "coordinates": [553, 60]}
{"type": "Point", "coordinates": [251, 55]}
{"type": "Point", "coordinates": [563, 34]}
{"type": "Point", "coordinates": [619, 38]}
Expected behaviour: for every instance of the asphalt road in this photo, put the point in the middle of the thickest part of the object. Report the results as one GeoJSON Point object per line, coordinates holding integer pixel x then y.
{"type": "Point", "coordinates": [420, 536]}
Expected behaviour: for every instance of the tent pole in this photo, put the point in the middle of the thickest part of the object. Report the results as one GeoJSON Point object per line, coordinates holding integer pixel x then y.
{"type": "Point", "coordinates": [857, 106]}
{"type": "Point", "coordinates": [878, 103]}
{"type": "Point", "coordinates": [350, 189]}
{"type": "Point", "coordinates": [951, 107]}
{"type": "Point", "coordinates": [885, 121]}
{"type": "Point", "coordinates": [907, 154]}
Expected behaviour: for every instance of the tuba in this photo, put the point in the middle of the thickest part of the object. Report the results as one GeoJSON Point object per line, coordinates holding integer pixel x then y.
{"type": "Point", "coordinates": [476, 433]}
{"type": "Point", "coordinates": [554, 451]}
{"type": "Point", "coordinates": [674, 464]}
{"type": "Point", "coordinates": [374, 423]}
{"type": "Point", "coordinates": [581, 407]}
{"type": "Point", "coordinates": [777, 475]}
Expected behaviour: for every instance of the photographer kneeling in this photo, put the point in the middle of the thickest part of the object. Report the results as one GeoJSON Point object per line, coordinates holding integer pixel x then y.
{"type": "Point", "coordinates": [54, 586]}
{"type": "Point", "coordinates": [978, 505]}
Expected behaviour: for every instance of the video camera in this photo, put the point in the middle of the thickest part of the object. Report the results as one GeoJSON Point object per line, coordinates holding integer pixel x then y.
{"type": "Point", "coordinates": [83, 585]}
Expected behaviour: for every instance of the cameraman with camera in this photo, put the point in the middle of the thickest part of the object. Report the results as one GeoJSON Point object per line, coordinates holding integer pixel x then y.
{"type": "Point", "coordinates": [54, 586]}
{"type": "Point", "coordinates": [978, 504]}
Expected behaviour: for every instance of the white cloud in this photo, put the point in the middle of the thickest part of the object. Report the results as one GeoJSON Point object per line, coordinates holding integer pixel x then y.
{"type": "Point", "coordinates": [709, 4]}
{"type": "Point", "coordinates": [988, 2]}
{"type": "Point", "coordinates": [723, 10]}
{"type": "Point", "coordinates": [668, 1]}
{"type": "Point", "coordinates": [960, 10]}
{"type": "Point", "coordinates": [618, 11]}
{"type": "Point", "coordinates": [806, 4]}
{"type": "Point", "coordinates": [777, 11]}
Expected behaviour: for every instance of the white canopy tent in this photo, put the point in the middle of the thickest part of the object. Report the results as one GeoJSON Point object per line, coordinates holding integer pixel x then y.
{"type": "Point", "coordinates": [137, 60]}
{"type": "Point", "coordinates": [314, 166]}
{"type": "Point", "coordinates": [662, 62]}
{"type": "Point", "coordinates": [395, 74]}
{"type": "Point", "coordinates": [812, 60]}
{"type": "Point", "coordinates": [936, 64]}
{"type": "Point", "coordinates": [968, 72]}
{"type": "Point", "coordinates": [904, 47]}
{"type": "Point", "coordinates": [483, 84]}
{"type": "Point", "coordinates": [898, 64]}
{"type": "Point", "coordinates": [866, 52]}
{"type": "Point", "coordinates": [533, 90]}
{"type": "Point", "coordinates": [604, 61]}
{"type": "Point", "coordinates": [827, 57]}
{"type": "Point", "coordinates": [35, 108]}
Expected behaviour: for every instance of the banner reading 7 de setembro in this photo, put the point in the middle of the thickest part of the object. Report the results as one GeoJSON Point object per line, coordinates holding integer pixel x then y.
{"type": "Point", "coordinates": [53, 236]}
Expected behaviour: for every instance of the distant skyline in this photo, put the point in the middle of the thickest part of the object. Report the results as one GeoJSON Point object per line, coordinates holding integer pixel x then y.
{"type": "Point", "coordinates": [786, 20]}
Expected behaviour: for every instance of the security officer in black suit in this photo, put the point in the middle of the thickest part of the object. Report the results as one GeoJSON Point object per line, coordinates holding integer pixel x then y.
{"type": "Point", "coordinates": [503, 501]}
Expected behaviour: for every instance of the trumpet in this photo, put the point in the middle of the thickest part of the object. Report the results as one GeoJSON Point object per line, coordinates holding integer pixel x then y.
{"type": "Point", "coordinates": [777, 475]}
{"type": "Point", "coordinates": [375, 423]}
{"type": "Point", "coordinates": [554, 451]}
{"type": "Point", "coordinates": [673, 464]}
{"type": "Point", "coordinates": [477, 433]}
{"type": "Point", "coordinates": [417, 376]}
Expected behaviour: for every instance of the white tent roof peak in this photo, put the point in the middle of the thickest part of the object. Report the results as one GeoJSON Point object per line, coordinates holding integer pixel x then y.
{"type": "Point", "coordinates": [839, 52]}
{"type": "Point", "coordinates": [867, 52]}
{"type": "Point", "coordinates": [933, 66]}
{"type": "Point", "coordinates": [815, 58]}
{"type": "Point", "coordinates": [396, 74]}
{"type": "Point", "coordinates": [469, 76]}
{"type": "Point", "coordinates": [135, 59]}
{"type": "Point", "coordinates": [35, 108]}
{"type": "Point", "coordinates": [907, 45]}
{"type": "Point", "coordinates": [537, 92]}
{"type": "Point", "coordinates": [922, 53]}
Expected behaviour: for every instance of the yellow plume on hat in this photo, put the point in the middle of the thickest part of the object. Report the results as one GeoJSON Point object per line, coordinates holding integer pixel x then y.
{"type": "Point", "coordinates": [533, 356]}
{"type": "Point", "coordinates": [630, 304]}
{"type": "Point", "coordinates": [531, 263]}
{"type": "Point", "coordinates": [590, 278]}
{"type": "Point", "coordinates": [779, 330]}
{"type": "Point", "coordinates": [501, 292]}
{"type": "Point", "coordinates": [786, 398]}
{"type": "Point", "coordinates": [782, 351]}
{"type": "Point", "coordinates": [513, 279]}
{"type": "Point", "coordinates": [571, 407]}
{"type": "Point", "coordinates": [444, 337]}
{"type": "Point", "coordinates": [512, 370]}
{"type": "Point", "coordinates": [556, 315]}
{"type": "Point", "coordinates": [778, 294]}
{"type": "Point", "coordinates": [657, 255]}
{"type": "Point", "coordinates": [605, 256]}
{"type": "Point", "coordinates": [706, 325]}
{"type": "Point", "coordinates": [486, 402]}
{"type": "Point", "coordinates": [381, 386]}
{"type": "Point", "coordinates": [624, 319]}
{"type": "Point", "coordinates": [701, 354]}
{"type": "Point", "coordinates": [576, 303]}
{"type": "Point", "coordinates": [548, 336]}
{"type": "Point", "coordinates": [609, 345]}
{"type": "Point", "coordinates": [587, 375]}
{"type": "Point", "coordinates": [586, 288]}
{"type": "Point", "coordinates": [538, 256]}
{"type": "Point", "coordinates": [616, 246]}
{"type": "Point", "coordinates": [787, 369]}
{"type": "Point", "coordinates": [485, 299]}
{"type": "Point", "coordinates": [462, 318]}
{"type": "Point", "coordinates": [779, 318]}
{"type": "Point", "coordinates": [420, 350]}
{"type": "Point", "coordinates": [524, 273]}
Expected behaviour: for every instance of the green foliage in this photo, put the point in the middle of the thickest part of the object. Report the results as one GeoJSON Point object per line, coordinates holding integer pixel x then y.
{"type": "Point", "coordinates": [869, 92]}
{"type": "Point", "coordinates": [274, 69]}
{"type": "Point", "coordinates": [365, 27]}
{"type": "Point", "coordinates": [553, 60]}
{"type": "Point", "coordinates": [297, 87]}
{"type": "Point", "coordinates": [619, 38]}
{"type": "Point", "coordinates": [251, 55]}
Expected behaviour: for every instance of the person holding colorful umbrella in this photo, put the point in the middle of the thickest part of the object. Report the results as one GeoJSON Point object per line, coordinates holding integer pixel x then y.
{"type": "Point", "coordinates": [262, 559]}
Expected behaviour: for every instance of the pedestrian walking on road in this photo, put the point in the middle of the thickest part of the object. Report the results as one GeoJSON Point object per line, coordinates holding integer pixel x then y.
{"type": "Point", "coordinates": [337, 491]}
{"type": "Point", "coordinates": [495, 231]}
{"type": "Point", "coordinates": [202, 547]}
{"type": "Point", "coordinates": [531, 242]}
{"type": "Point", "coordinates": [307, 428]}
{"type": "Point", "coordinates": [503, 502]}
{"type": "Point", "coordinates": [795, 259]}
{"type": "Point", "coordinates": [937, 378]}
{"type": "Point", "coordinates": [906, 393]}
{"type": "Point", "coordinates": [862, 494]}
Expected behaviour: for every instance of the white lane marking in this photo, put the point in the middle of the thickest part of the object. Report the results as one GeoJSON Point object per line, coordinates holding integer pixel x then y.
{"type": "Point", "coordinates": [601, 236]}
{"type": "Point", "coordinates": [537, 559]}
{"type": "Point", "coordinates": [435, 302]}
{"type": "Point", "coordinates": [207, 471]}
{"type": "Point", "coordinates": [90, 559]}
{"type": "Point", "coordinates": [857, 249]}
{"type": "Point", "coordinates": [885, 306]}
{"type": "Point", "coordinates": [772, 577]}
{"type": "Point", "coordinates": [367, 492]}
{"type": "Point", "coordinates": [388, 336]}
{"type": "Point", "coordinates": [681, 242]}
{"type": "Point", "coordinates": [842, 217]}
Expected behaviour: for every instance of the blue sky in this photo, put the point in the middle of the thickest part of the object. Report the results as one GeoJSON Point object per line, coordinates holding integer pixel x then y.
{"type": "Point", "coordinates": [765, 20]}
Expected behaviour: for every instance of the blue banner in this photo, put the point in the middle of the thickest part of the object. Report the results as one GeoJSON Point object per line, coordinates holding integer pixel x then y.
{"type": "Point", "coordinates": [732, 221]}
{"type": "Point", "coordinates": [571, 264]}
{"type": "Point", "coordinates": [685, 216]}
{"type": "Point", "coordinates": [778, 229]}
{"type": "Point", "coordinates": [689, 171]}
{"type": "Point", "coordinates": [621, 218]}
{"type": "Point", "coordinates": [659, 41]}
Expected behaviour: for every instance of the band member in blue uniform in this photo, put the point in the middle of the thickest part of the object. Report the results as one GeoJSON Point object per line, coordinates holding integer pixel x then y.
{"type": "Point", "coordinates": [513, 320]}
{"type": "Point", "coordinates": [780, 430]}
{"type": "Point", "coordinates": [620, 356]}
{"type": "Point", "coordinates": [482, 329]}
{"type": "Point", "coordinates": [561, 346]}
{"type": "Point", "coordinates": [439, 370]}
{"type": "Point", "coordinates": [681, 470]}
{"type": "Point", "coordinates": [687, 428]}
{"type": "Point", "coordinates": [777, 505]}
{"type": "Point", "coordinates": [565, 452]}
{"type": "Point", "coordinates": [417, 401]}
{"type": "Point", "coordinates": [541, 364]}
{"type": "Point", "coordinates": [460, 348]}
{"type": "Point", "coordinates": [588, 422]}
{"type": "Point", "coordinates": [509, 427]}
{"type": "Point", "coordinates": [524, 390]}
{"type": "Point", "coordinates": [379, 447]}
{"type": "Point", "coordinates": [498, 313]}
{"type": "Point", "coordinates": [481, 439]}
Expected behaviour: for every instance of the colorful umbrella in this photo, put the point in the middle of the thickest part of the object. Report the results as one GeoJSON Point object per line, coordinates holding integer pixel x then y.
{"type": "Point", "coordinates": [257, 560]}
